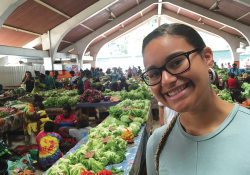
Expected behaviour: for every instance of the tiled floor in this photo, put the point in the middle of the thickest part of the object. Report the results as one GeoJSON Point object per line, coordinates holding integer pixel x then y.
{"type": "Point", "coordinates": [19, 140]}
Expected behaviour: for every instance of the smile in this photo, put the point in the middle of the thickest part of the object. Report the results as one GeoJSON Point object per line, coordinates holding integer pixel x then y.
{"type": "Point", "coordinates": [177, 90]}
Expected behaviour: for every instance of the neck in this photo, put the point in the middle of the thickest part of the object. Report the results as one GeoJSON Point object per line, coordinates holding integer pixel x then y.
{"type": "Point", "coordinates": [207, 116]}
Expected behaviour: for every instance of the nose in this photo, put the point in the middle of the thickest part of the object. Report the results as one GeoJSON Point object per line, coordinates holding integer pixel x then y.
{"type": "Point", "coordinates": [167, 79]}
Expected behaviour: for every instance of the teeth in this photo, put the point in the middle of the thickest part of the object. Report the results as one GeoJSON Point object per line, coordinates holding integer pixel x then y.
{"type": "Point", "coordinates": [176, 91]}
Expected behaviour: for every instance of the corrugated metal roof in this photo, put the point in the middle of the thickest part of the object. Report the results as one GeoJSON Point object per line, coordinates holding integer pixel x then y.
{"type": "Point", "coordinates": [62, 46]}
{"type": "Point", "coordinates": [70, 7]}
{"type": "Point", "coordinates": [34, 17]}
{"type": "Point", "coordinates": [76, 34]}
{"type": "Point", "coordinates": [14, 38]}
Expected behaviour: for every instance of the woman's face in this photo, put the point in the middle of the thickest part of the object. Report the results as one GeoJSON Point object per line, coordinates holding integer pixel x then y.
{"type": "Point", "coordinates": [66, 114]}
{"type": "Point", "coordinates": [27, 74]}
{"type": "Point", "coordinates": [184, 91]}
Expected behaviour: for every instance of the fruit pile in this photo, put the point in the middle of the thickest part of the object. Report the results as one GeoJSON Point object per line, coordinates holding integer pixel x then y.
{"type": "Point", "coordinates": [92, 96]}
{"type": "Point", "coordinates": [128, 136]}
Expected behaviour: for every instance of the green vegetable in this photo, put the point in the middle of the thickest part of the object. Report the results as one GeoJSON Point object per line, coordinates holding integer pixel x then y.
{"type": "Point", "coordinates": [225, 78]}
{"type": "Point", "coordinates": [133, 86]}
{"type": "Point", "coordinates": [115, 111]}
{"type": "Point", "coordinates": [137, 119]}
{"type": "Point", "coordinates": [126, 119]}
{"type": "Point", "coordinates": [116, 171]}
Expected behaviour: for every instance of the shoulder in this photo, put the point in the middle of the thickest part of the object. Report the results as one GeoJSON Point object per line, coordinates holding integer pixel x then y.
{"type": "Point", "coordinates": [59, 116]}
{"type": "Point", "coordinates": [243, 112]}
{"type": "Point", "coordinates": [73, 116]}
{"type": "Point", "coordinates": [156, 136]}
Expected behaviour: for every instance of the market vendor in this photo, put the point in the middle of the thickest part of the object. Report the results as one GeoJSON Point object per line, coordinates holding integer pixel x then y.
{"type": "Point", "coordinates": [37, 74]}
{"type": "Point", "coordinates": [233, 84]}
{"type": "Point", "coordinates": [123, 85]}
{"type": "Point", "coordinates": [234, 70]}
{"type": "Point", "coordinates": [65, 120]}
{"type": "Point", "coordinates": [39, 86]}
{"type": "Point", "coordinates": [208, 135]}
{"type": "Point", "coordinates": [114, 75]}
{"type": "Point", "coordinates": [29, 81]}
{"type": "Point", "coordinates": [28, 118]}
{"type": "Point", "coordinates": [49, 81]}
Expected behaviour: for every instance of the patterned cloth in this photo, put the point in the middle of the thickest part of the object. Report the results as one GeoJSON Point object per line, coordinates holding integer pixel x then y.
{"type": "Point", "coordinates": [29, 109]}
{"type": "Point", "coordinates": [48, 147]}
{"type": "Point", "coordinates": [86, 85]}
{"type": "Point", "coordinates": [65, 122]}
{"type": "Point", "coordinates": [49, 81]}
{"type": "Point", "coordinates": [32, 127]}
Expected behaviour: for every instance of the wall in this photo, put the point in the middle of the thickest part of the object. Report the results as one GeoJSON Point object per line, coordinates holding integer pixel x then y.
{"type": "Point", "coordinates": [13, 75]}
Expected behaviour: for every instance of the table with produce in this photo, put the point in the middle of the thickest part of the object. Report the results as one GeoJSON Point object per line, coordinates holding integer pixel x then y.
{"type": "Point", "coordinates": [11, 116]}
{"type": "Point", "coordinates": [117, 144]}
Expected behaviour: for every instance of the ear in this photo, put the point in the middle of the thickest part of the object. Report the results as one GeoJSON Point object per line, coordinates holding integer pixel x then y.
{"type": "Point", "coordinates": [208, 55]}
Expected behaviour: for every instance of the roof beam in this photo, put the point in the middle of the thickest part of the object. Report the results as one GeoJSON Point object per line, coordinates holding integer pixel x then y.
{"type": "Point", "coordinates": [159, 7]}
{"type": "Point", "coordinates": [242, 28]}
{"type": "Point", "coordinates": [52, 8]}
{"type": "Point", "coordinates": [242, 16]}
{"type": "Point", "coordinates": [83, 44]}
{"type": "Point", "coordinates": [179, 9]}
{"type": "Point", "coordinates": [5, 50]}
{"type": "Point", "coordinates": [213, 5]}
{"type": "Point", "coordinates": [67, 42]}
{"type": "Point", "coordinates": [87, 27]}
{"type": "Point", "coordinates": [111, 13]}
{"type": "Point", "coordinates": [20, 30]}
{"type": "Point", "coordinates": [7, 7]}
{"type": "Point", "coordinates": [57, 33]}
{"type": "Point", "coordinates": [137, 1]}
{"type": "Point", "coordinates": [222, 27]}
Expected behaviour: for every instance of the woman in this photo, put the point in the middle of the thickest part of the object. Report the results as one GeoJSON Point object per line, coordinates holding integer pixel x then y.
{"type": "Point", "coordinates": [65, 120]}
{"type": "Point", "coordinates": [48, 143]}
{"type": "Point", "coordinates": [129, 72]}
{"type": "Point", "coordinates": [209, 135]}
{"type": "Point", "coordinates": [85, 82]}
{"type": "Point", "coordinates": [29, 81]}
{"type": "Point", "coordinates": [37, 73]}
{"type": "Point", "coordinates": [233, 84]}
{"type": "Point", "coordinates": [39, 86]}
{"type": "Point", "coordinates": [28, 118]}
{"type": "Point", "coordinates": [114, 75]}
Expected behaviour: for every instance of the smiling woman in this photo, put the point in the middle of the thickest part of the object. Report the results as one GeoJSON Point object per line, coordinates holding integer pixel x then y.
{"type": "Point", "coordinates": [209, 135]}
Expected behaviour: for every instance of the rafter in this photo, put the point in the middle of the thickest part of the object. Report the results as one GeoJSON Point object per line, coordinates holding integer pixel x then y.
{"type": "Point", "coordinates": [67, 42]}
{"type": "Point", "coordinates": [52, 8]}
{"type": "Point", "coordinates": [20, 30]}
{"type": "Point", "coordinates": [222, 27]}
{"type": "Point", "coordinates": [137, 2]}
{"type": "Point", "coordinates": [178, 10]}
{"type": "Point", "coordinates": [242, 16]}
{"type": "Point", "coordinates": [103, 36]}
{"type": "Point", "coordinates": [112, 14]}
{"type": "Point", "coordinates": [87, 27]}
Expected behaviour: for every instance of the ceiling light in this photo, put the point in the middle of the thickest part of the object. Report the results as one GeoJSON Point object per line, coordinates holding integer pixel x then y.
{"type": "Point", "coordinates": [200, 21]}
{"type": "Point", "coordinates": [217, 8]}
{"type": "Point", "coordinates": [111, 18]}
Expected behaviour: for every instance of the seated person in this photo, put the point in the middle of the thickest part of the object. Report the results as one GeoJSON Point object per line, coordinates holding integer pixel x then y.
{"type": "Point", "coordinates": [114, 87]}
{"type": "Point", "coordinates": [236, 96]}
{"type": "Point", "coordinates": [232, 83]}
{"type": "Point", "coordinates": [65, 120]}
{"type": "Point", "coordinates": [81, 128]}
{"type": "Point", "coordinates": [49, 143]}
{"type": "Point", "coordinates": [42, 117]}
{"type": "Point", "coordinates": [123, 85]}
{"type": "Point", "coordinates": [1, 89]}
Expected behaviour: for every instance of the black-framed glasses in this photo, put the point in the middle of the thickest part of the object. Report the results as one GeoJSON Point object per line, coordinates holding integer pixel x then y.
{"type": "Point", "coordinates": [174, 66]}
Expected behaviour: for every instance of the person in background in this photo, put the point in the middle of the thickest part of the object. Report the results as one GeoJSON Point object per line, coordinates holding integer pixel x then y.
{"type": "Point", "coordinates": [56, 80]}
{"type": "Point", "coordinates": [222, 66]}
{"type": "Point", "coordinates": [123, 85]}
{"type": "Point", "coordinates": [134, 70]}
{"type": "Point", "coordinates": [81, 130]}
{"type": "Point", "coordinates": [101, 73]}
{"type": "Point", "coordinates": [169, 114]}
{"type": "Point", "coordinates": [86, 82]}
{"type": "Point", "coordinates": [108, 71]}
{"type": "Point", "coordinates": [215, 66]}
{"type": "Point", "coordinates": [115, 87]}
{"type": "Point", "coordinates": [234, 70]}
{"type": "Point", "coordinates": [229, 66]}
{"type": "Point", "coordinates": [236, 96]}
{"type": "Point", "coordinates": [49, 81]}
{"type": "Point", "coordinates": [114, 75]}
{"type": "Point", "coordinates": [232, 83]}
{"type": "Point", "coordinates": [78, 83]}
{"type": "Point", "coordinates": [37, 75]}
{"type": "Point", "coordinates": [94, 74]}
{"type": "Point", "coordinates": [130, 73]}
{"type": "Point", "coordinates": [49, 144]}
{"type": "Point", "coordinates": [65, 120]}
{"type": "Point", "coordinates": [98, 74]}
{"type": "Point", "coordinates": [73, 75]}
{"type": "Point", "coordinates": [139, 70]}
{"type": "Point", "coordinates": [1, 89]}
{"type": "Point", "coordinates": [29, 81]}
{"type": "Point", "coordinates": [39, 86]}
{"type": "Point", "coordinates": [56, 73]}
{"type": "Point", "coordinates": [42, 117]}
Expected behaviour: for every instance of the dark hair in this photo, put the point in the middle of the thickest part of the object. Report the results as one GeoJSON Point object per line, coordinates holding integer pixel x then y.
{"type": "Point", "coordinates": [42, 76]}
{"type": "Point", "coordinates": [47, 72]}
{"type": "Point", "coordinates": [49, 126]}
{"type": "Point", "coordinates": [38, 98]}
{"type": "Point", "coordinates": [241, 100]}
{"type": "Point", "coordinates": [41, 106]}
{"type": "Point", "coordinates": [123, 80]}
{"type": "Point", "coordinates": [87, 73]}
{"type": "Point", "coordinates": [56, 72]}
{"type": "Point", "coordinates": [232, 75]}
{"type": "Point", "coordinates": [67, 108]}
{"type": "Point", "coordinates": [55, 76]}
{"type": "Point", "coordinates": [82, 121]}
{"type": "Point", "coordinates": [72, 72]}
{"type": "Point", "coordinates": [83, 72]}
{"type": "Point", "coordinates": [1, 87]}
{"type": "Point", "coordinates": [185, 31]}
{"type": "Point", "coordinates": [101, 70]}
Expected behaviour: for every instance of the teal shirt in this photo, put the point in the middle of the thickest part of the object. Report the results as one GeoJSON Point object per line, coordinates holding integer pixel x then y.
{"type": "Point", "coordinates": [114, 78]}
{"type": "Point", "coordinates": [224, 151]}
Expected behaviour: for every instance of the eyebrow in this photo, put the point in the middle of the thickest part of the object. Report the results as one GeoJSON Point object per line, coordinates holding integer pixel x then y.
{"type": "Point", "coordinates": [172, 55]}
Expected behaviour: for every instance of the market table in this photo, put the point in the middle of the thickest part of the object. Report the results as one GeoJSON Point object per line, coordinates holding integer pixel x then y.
{"type": "Point", "coordinates": [57, 111]}
{"type": "Point", "coordinates": [134, 155]}
{"type": "Point", "coordinates": [102, 104]}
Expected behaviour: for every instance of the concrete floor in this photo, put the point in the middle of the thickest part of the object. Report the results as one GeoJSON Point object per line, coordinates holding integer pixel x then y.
{"type": "Point", "coordinates": [19, 140]}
